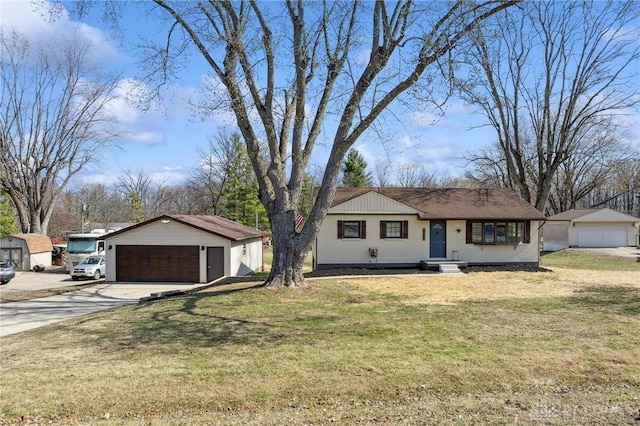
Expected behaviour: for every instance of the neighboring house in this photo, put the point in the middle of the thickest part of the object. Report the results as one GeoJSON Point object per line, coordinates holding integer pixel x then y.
{"type": "Point", "coordinates": [402, 227]}
{"type": "Point", "coordinates": [26, 251]}
{"type": "Point", "coordinates": [590, 228]}
{"type": "Point", "coordinates": [183, 248]}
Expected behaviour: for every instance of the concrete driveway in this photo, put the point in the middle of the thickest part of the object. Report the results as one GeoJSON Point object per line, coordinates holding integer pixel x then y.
{"type": "Point", "coordinates": [16, 317]}
{"type": "Point", "coordinates": [632, 252]}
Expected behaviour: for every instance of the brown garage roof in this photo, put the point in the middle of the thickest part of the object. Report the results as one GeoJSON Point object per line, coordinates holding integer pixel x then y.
{"type": "Point", "coordinates": [453, 203]}
{"type": "Point", "coordinates": [36, 243]}
{"type": "Point", "coordinates": [216, 225]}
{"type": "Point", "coordinates": [220, 226]}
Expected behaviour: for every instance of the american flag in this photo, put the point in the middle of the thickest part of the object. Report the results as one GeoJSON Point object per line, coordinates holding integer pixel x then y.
{"type": "Point", "coordinates": [299, 221]}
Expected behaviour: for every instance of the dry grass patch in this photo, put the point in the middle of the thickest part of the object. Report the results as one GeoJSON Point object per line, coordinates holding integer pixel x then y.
{"type": "Point", "coordinates": [487, 348]}
{"type": "Point", "coordinates": [335, 352]}
{"type": "Point", "coordinates": [442, 289]}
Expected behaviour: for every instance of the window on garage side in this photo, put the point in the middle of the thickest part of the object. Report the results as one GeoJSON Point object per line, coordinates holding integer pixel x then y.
{"type": "Point", "coordinates": [352, 229]}
{"type": "Point", "coordinates": [390, 229]}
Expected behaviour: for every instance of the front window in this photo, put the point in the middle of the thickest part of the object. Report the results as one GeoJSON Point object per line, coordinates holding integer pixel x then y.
{"type": "Point", "coordinates": [352, 229]}
{"type": "Point", "coordinates": [394, 230]}
{"type": "Point", "coordinates": [390, 229]}
{"type": "Point", "coordinates": [490, 232]}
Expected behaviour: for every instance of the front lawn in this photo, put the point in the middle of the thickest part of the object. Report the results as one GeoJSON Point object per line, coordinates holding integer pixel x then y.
{"type": "Point", "coordinates": [499, 348]}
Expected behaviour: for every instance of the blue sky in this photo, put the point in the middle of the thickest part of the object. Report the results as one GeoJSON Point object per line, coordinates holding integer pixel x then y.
{"type": "Point", "coordinates": [164, 144]}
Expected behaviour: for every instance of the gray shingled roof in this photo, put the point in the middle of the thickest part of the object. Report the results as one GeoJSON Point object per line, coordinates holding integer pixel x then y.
{"type": "Point", "coordinates": [453, 203]}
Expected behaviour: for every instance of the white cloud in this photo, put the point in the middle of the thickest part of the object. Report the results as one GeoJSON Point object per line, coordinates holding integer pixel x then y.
{"type": "Point", "coordinates": [168, 176]}
{"type": "Point", "coordinates": [144, 137]}
{"type": "Point", "coordinates": [49, 21]}
{"type": "Point", "coordinates": [133, 124]}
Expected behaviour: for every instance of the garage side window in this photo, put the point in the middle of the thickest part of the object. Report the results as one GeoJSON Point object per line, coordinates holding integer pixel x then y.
{"type": "Point", "coordinates": [352, 229]}
{"type": "Point", "coordinates": [498, 232]}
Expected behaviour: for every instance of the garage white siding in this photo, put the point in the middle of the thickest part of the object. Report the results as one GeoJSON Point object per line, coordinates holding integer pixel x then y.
{"type": "Point", "coordinates": [167, 234]}
{"type": "Point", "coordinates": [205, 246]}
{"type": "Point", "coordinates": [602, 235]}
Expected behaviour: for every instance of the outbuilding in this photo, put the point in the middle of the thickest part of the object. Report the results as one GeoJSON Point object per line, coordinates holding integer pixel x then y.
{"type": "Point", "coordinates": [26, 251]}
{"type": "Point", "coordinates": [183, 248]}
{"type": "Point", "coordinates": [590, 228]}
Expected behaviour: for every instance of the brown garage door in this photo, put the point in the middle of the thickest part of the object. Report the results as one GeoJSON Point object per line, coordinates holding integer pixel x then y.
{"type": "Point", "coordinates": [158, 263]}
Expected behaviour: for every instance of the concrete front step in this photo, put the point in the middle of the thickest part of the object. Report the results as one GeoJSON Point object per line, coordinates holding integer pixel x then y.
{"type": "Point", "coordinates": [449, 268]}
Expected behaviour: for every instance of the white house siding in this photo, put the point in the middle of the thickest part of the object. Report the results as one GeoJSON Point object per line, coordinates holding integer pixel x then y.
{"type": "Point", "coordinates": [246, 256]}
{"type": "Point", "coordinates": [329, 250]}
{"type": "Point", "coordinates": [168, 234]}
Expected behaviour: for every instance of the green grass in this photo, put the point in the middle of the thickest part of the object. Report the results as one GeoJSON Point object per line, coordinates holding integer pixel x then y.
{"type": "Point", "coordinates": [576, 259]}
{"type": "Point", "coordinates": [332, 353]}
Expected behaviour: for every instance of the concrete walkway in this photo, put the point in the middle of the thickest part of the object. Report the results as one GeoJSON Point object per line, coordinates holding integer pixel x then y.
{"type": "Point", "coordinates": [16, 317]}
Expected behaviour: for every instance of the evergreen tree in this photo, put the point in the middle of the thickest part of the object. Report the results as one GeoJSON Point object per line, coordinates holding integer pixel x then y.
{"type": "Point", "coordinates": [241, 189]}
{"type": "Point", "coordinates": [354, 171]}
{"type": "Point", "coordinates": [7, 216]}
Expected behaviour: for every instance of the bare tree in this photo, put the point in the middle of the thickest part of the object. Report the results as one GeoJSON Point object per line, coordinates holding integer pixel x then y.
{"type": "Point", "coordinates": [594, 164]}
{"type": "Point", "coordinates": [145, 197]}
{"type": "Point", "coordinates": [416, 176]}
{"type": "Point", "coordinates": [53, 121]}
{"type": "Point", "coordinates": [548, 78]}
{"type": "Point", "coordinates": [285, 68]}
{"type": "Point", "coordinates": [216, 169]}
{"type": "Point", "coordinates": [98, 203]}
{"type": "Point", "coordinates": [382, 173]}
{"type": "Point", "coordinates": [621, 192]}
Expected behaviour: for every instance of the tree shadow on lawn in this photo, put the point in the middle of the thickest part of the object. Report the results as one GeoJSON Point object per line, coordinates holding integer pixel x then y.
{"type": "Point", "coordinates": [189, 320]}
{"type": "Point", "coordinates": [210, 319]}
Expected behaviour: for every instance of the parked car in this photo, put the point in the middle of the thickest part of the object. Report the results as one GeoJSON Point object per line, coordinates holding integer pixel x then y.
{"type": "Point", "coordinates": [92, 267]}
{"type": "Point", "coordinates": [6, 272]}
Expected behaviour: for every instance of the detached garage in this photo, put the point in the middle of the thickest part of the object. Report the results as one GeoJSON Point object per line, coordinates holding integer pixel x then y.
{"type": "Point", "coordinates": [183, 248]}
{"type": "Point", "coordinates": [590, 228]}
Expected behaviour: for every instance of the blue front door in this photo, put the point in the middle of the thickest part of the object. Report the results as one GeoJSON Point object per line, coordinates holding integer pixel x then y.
{"type": "Point", "coordinates": [437, 242]}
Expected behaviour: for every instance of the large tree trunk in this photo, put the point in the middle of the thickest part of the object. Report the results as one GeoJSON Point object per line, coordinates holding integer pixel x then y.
{"type": "Point", "coordinates": [289, 253]}
{"type": "Point", "coordinates": [286, 268]}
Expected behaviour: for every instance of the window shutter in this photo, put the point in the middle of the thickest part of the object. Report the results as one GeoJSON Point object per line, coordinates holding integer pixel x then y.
{"type": "Point", "coordinates": [363, 229]}
{"type": "Point", "coordinates": [405, 229]}
{"type": "Point", "coordinates": [383, 229]}
{"type": "Point", "coordinates": [339, 229]}
{"type": "Point", "coordinates": [469, 232]}
{"type": "Point", "coordinates": [527, 231]}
